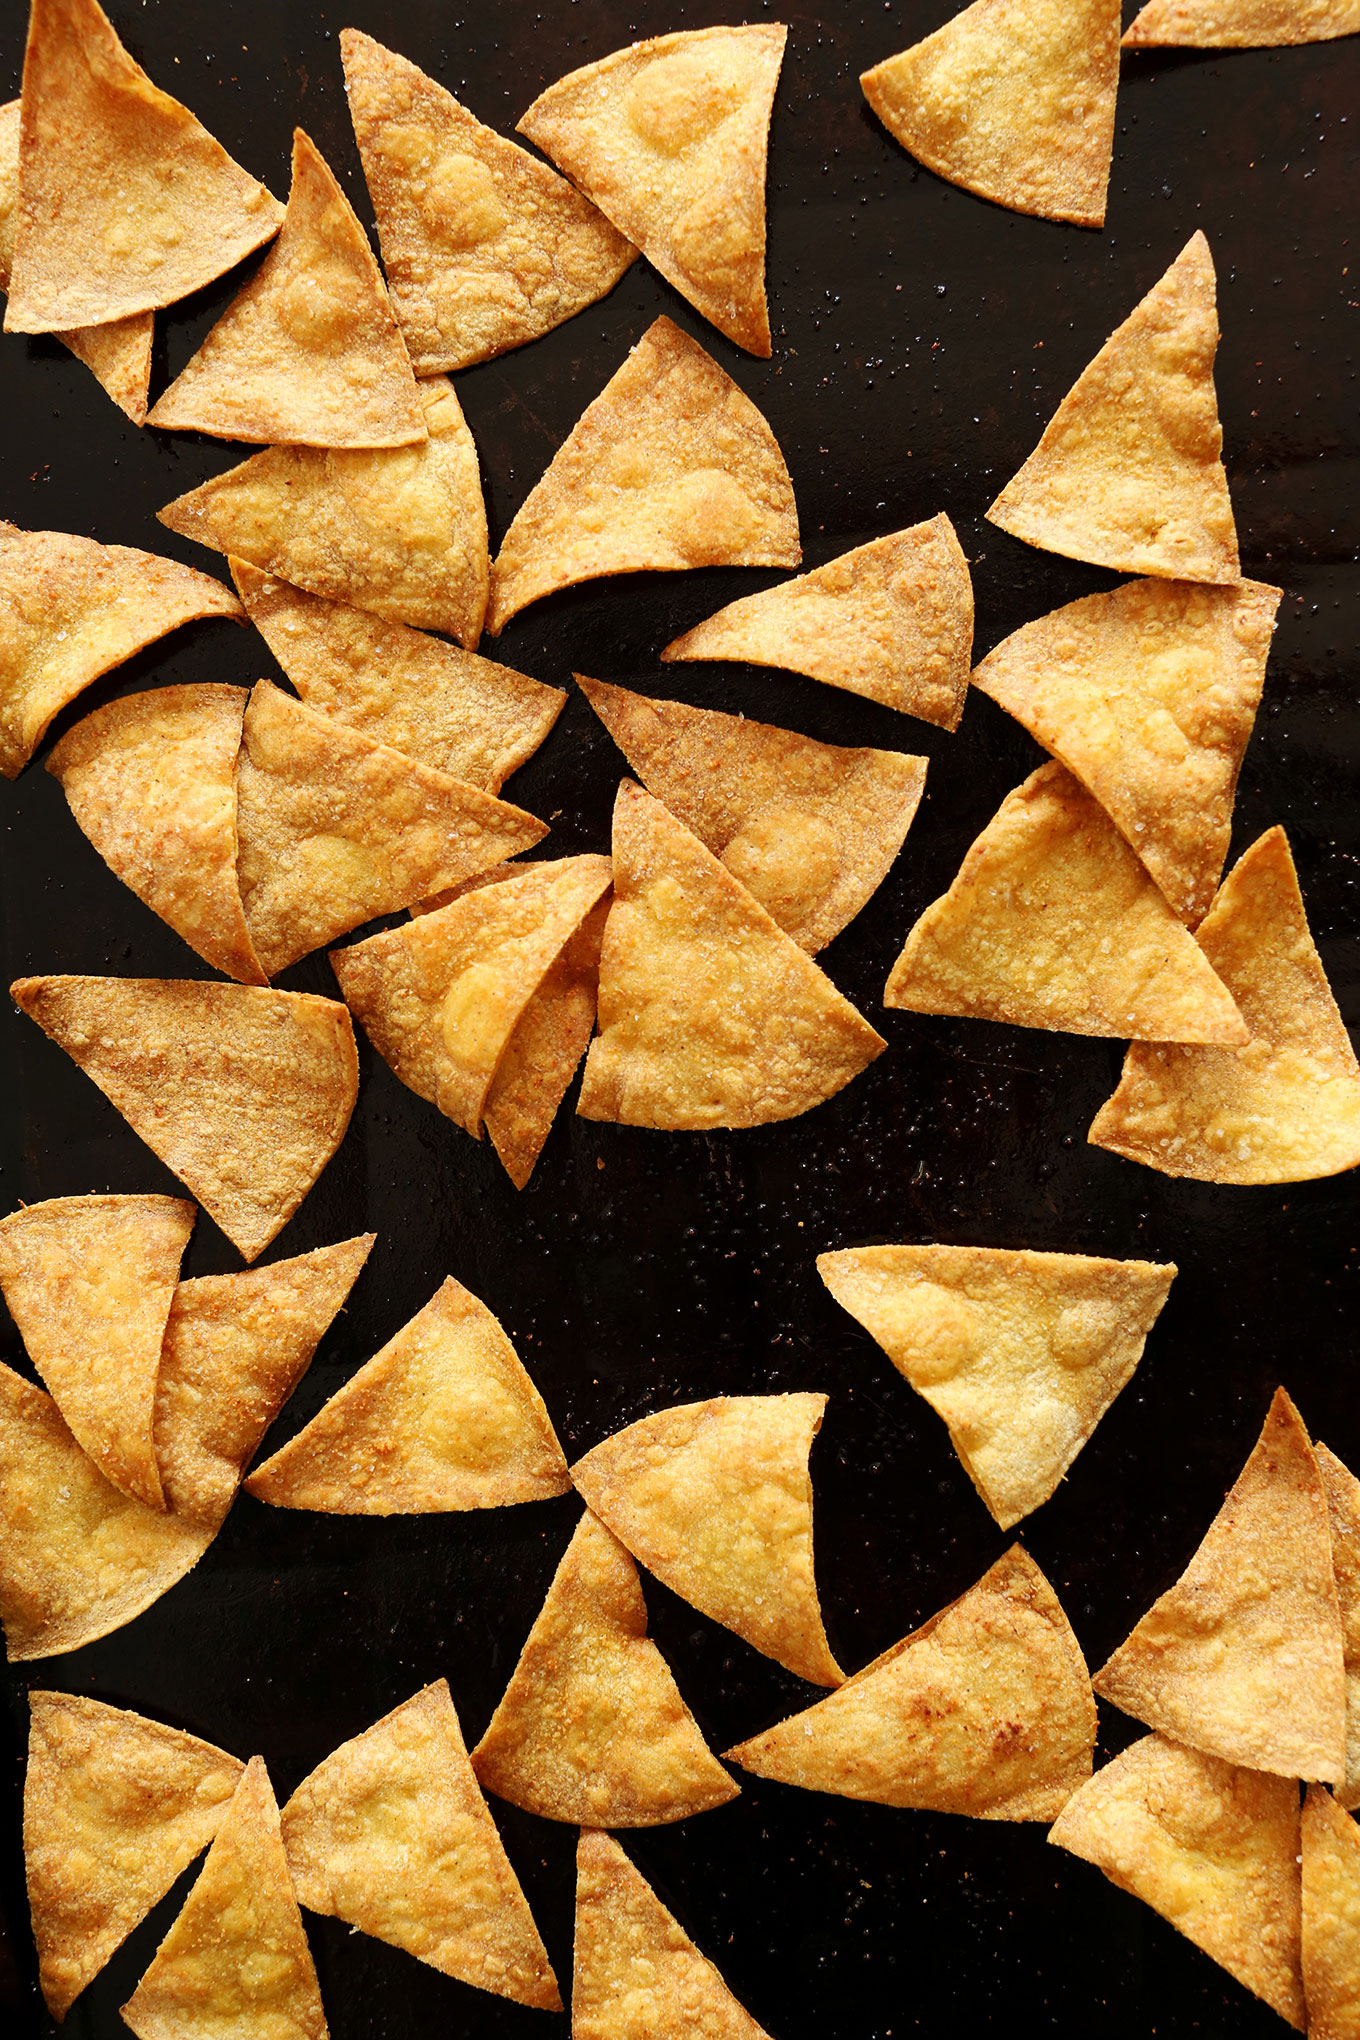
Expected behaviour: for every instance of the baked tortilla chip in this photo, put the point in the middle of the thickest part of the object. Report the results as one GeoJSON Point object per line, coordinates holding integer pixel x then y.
{"type": "Point", "coordinates": [244, 1094]}
{"type": "Point", "coordinates": [1241, 24]}
{"type": "Point", "coordinates": [89, 1281]}
{"type": "Point", "coordinates": [591, 1727]}
{"type": "Point", "coordinates": [810, 829]}
{"type": "Point", "coordinates": [398, 530]}
{"type": "Point", "coordinates": [1342, 1490]}
{"type": "Point", "coordinates": [1129, 472]}
{"type": "Point", "coordinates": [115, 1807]}
{"type": "Point", "coordinates": [1331, 1918]}
{"type": "Point", "coordinates": [671, 467]}
{"type": "Point", "coordinates": [1053, 922]}
{"type": "Point", "coordinates": [1021, 1353]}
{"type": "Point", "coordinates": [543, 1053]}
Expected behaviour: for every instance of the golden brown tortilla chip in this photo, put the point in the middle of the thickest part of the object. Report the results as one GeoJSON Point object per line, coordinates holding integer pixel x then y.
{"type": "Point", "coordinates": [1342, 1490]}
{"type": "Point", "coordinates": [1285, 1108]}
{"type": "Point", "coordinates": [244, 1094]}
{"type": "Point", "coordinates": [541, 1057]}
{"type": "Point", "coordinates": [1021, 1353]}
{"type": "Point", "coordinates": [1241, 24]}
{"type": "Point", "coordinates": [1129, 471]}
{"type": "Point", "coordinates": [399, 530]}
{"type": "Point", "coordinates": [115, 1807]}
{"type": "Point", "coordinates": [810, 829]}
{"type": "Point", "coordinates": [1331, 1918]}
{"type": "Point", "coordinates": [392, 1835]}
{"type": "Point", "coordinates": [591, 1727]}
{"type": "Point", "coordinates": [671, 467]}
{"type": "Point", "coordinates": [1053, 922]}
{"type": "Point", "coordinates": [1148, 695]}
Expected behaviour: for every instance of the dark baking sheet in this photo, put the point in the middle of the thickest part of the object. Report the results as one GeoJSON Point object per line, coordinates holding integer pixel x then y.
{"type": "Point", "coordinates": [923, 338]}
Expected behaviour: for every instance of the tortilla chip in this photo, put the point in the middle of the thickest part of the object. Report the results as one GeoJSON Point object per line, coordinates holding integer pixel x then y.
{"type": "Point", "coordinates": [151, 779]}
{"type": "Point", "coordinates": [669, 139]}
{"type": "Point", "coordinates": [591, 1727]}
{"type": "Point", "coordinates": [1148, 694]}
{"type": "Point", "coordinates": [235, 1349]}
{"type": "Point", "coordinates": [1342, 1490]}
{"type": "Point", "coordinates": [671, 467]}
{"type": "Point", "coordinates": [1053, 922]}
{"type": "Point", "coordinates": [1241, 24]}
{"type": "Point", "coordinates": [115, 1807]}
{"type": "Point", "coordinates": [1021, 1353]}
{"type": "Point", "coordinates": [88, 1281]}
{"type": "Point", "coordinates": [810, 829]}
{"type": "Point", "coordinates": [397, 530]}
{"type": "Point", "coordinates": [392, 1835]}
{"type": "Point", "coordinates": [236, 1960]}
{"type": "Point", "coordinates": [1331, 1918]}
{"type": "Point", "coordinates": [541, 1057]}
{"type": "Point", "coordinates": [244, 1094]}
{"type": "Point", "coordinates": [1242, 1657]}
{"type": "Point", "coordinates": [892, 620]}
{"type": "Point", "coordinates": [70, 610]}
{"type": "Point", "coordinates": [125, 202]}
{"type": "Point", "coordinates": [1128, 473]}
{"type": "Point", "coordinates": [1285, 1108]}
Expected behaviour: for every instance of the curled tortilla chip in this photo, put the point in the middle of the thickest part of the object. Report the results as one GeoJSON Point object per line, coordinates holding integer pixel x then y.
{"type": "Point", "coordinates": [1241, 24]}
{"type": "Point", "coordinates": [671, 467]}
{"type": "Point", "coordinates": [1331, 1918]}
{"type": "Point", "coordinates": [1343, 1510]}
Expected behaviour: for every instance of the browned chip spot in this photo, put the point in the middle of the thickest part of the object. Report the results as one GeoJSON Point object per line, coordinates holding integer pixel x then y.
{"type": "Point", "coordinates": [1241, 24]}
{"type": "Point", "coordinates": [1331, 1918]}
{"type": "Point", "coordinates": [1342, 1490]}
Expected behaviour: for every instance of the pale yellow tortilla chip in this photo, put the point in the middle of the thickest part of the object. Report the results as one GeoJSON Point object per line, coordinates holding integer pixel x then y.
{"type": "Point", "coordinates": [392, 1835]}
{"type": "Point", "coordinates": [1212, 1848]}
{"type": "Point", "coordinates": [1021, 1353]}
{"type": "Point", "coordinates": [810, 829]}
{"type": "Point", "coordinates": [669, 139]}
{"type": "Point", "coordinates": [399, 530]}
{"type": "Point", "coordinates": [541, 1057]}
{"type": "Point", "coordinates": [1148, 694]}
{"type": "Point", "coordinates": [892, 620]}
{"type": "Point", "coordinates": [125, 201]}
{"type": "Point", "coordinates": [1331, 1918]}
{"type": "Point", "coordinates": [671, 467]}
{"type": "Point", "coordinates": [1241, 24]}
{"type": "Point", "coordinates": [1243, 1656]}
{"type": "Point", "coordinates": [484, 246]}
{"type": "Point", "coordinates": [89, 1282]}
{"type": "Point", "coordinates": [591, 1727]}
{"type": "Point", "coordinates": [1285, 1108]}
{"type": "Point", "coordinates": [115, 1807]}
{"type": "Point", "coordinates": [244, 1094]}
{"type": "Point", "coordinates": [1053, 922]}
{"type": "Point", "coordinates": [1129, 472]}
{"type": "Point", "coordinates": [1342, 1490]}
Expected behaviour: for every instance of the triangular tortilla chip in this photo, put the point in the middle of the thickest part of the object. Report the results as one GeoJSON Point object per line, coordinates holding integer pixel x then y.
{"type": "Point", "coordinates": [636, 1975]}
{"type": "Point", "coordinates": [1053, 922]}
{"type": "Point", "coordinates": [392, 1835]}
{"type": "Point", "coordinates": [244, 1094]}
{"type": "Point", "coordinates": [1241, 24]}
{"type": "Point", "coordinates": [115, 1807]}
{"type": "Point", "coordinates": [1013, 99]}
{"type": "Point", "coordinates": [1212, 1848]}
{"type": "Point", "coordinates": [985, 1710]}
{"type": "Point", "coordinates": [236, 1960]}
{"type": "Point", "coordinates": [892, 620]}
{"type": "Point", "coordinates": [1021, 1353]}
{"type": "Point", "coordinates": [151, 779]}
{"type": "Point", "coordinates": [1285, 1108]}
{"type": "Point", "coordinates": [715, 1498]}
{"type": "Point", "coordinates": [399, 530]}
{"type": "Point", "coordinates": [710, 1015]}
{"type": "Point", "coordinates": [541, 1057]}
{"type": "Point", "coordinates": [591, 1727]}
{"type": "Point", "coordinates": [1342, 1490]}
{"type": "Point", "coordinates": [484, 246]}
{"type": "Point", "coordinates": [74, 609]}
{"type": "Point", "coordinates": [1331, 1918]}
{"type": "Point", "coordinates": [1148, 694]}
{"type": "Point", "coordinates": [89, 1281]}
{"type": "Point", "coordinates": [125, 201]}
{"type": "Point", "coordinates": [1129, 472]}
{"type": "Point", "coordinates": [669, 138]}
{"type": "Point", "coordinates": [671, 467]}
{"type": "Point", "coordinates": [1242, 1657]}
{"type": "Point", "coordinates": [810, 829]}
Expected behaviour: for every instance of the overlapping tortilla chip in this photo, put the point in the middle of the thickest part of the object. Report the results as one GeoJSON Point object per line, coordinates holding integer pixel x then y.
{"type": "Point", "coordinates": [1241, 24]}
{"type": "Point", "coordinates": [115, 1807]}
{"type": "Point", "coordinates": [671, 467]}
{"type": "Point", "coordinates": [1331, 1917]}
{"type": "Point", "coordinates": [1021, 1353]}
{"type": "Point", "coordinates": [810, 829]}
{"type": "Point", "coordinates": [1342, 1490]}
{"type": "Point", "coordinates": [244, 1094]}
{"type": "Point", "coordinates": [591, 1727]}
{"type": "Point", "coordinates": [1053, 922]}
{"type": "Point", "coordinates": [1129, 472]}
{"type": "Point", "coordinates": [541, 1057]}
{"type": "Point", "coordinates": [1285, 1108]}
